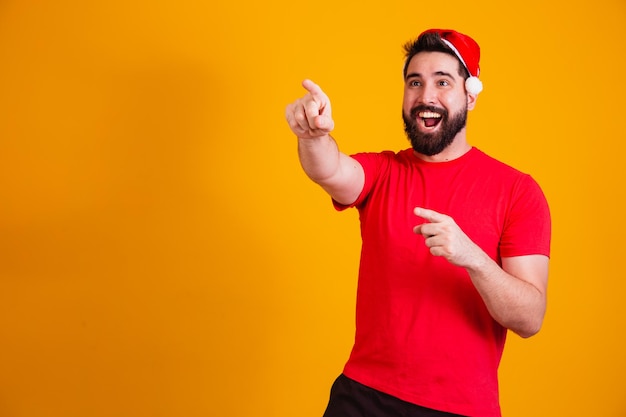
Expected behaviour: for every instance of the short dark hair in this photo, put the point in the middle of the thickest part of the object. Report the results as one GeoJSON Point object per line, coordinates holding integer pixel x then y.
{"type": "Point", "coordinates": [430, 42]}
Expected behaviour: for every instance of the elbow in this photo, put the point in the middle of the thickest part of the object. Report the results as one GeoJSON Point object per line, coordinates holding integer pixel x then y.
{"type": "Point", "coordinates": [529, 322]}
{"type": "Point", "coordinates": [528, 329]}
{"type": "Point", "coordinates": [525, 334]}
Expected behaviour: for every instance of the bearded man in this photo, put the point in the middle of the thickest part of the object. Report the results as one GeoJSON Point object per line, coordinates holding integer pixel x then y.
{"type": "Point", "coordinates": [455, 245]}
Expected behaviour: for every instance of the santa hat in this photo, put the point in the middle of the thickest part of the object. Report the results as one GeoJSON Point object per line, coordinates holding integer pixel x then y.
{"type": "Point", "coordinates": [468, 52]}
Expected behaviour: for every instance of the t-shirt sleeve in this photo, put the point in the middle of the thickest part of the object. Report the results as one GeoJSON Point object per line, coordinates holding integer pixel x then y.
{"type": "Point", "coordinates": [527, 230]}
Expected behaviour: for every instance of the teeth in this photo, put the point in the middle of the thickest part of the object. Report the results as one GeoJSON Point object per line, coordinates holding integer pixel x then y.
{"type": "Point", "coordinates": [429, 115]}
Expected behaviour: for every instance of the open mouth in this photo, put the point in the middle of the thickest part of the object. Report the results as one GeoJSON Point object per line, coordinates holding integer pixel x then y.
{"type": "Point", "coordinates": [429, 118]}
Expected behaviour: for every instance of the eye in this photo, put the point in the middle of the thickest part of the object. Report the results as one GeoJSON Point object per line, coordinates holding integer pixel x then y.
{"type": "Point", "coordinates": [414, 83]}
{"type": "Point", "coordinates": [444, 83]}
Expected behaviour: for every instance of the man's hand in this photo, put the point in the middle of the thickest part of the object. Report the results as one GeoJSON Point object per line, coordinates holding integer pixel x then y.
{"type": "Point", "coordinates": [515, 294]}
{"type": "Point", "coordinates": [310, 116]}
{"type": "Point", "coordinates": [445, 238]}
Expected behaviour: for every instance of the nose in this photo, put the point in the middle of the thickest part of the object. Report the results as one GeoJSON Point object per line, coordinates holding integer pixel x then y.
{"type": "Point", "coordinates": [428, 94]}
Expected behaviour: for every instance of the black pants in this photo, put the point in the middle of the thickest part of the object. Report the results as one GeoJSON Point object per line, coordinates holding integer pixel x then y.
{"type": "Point", "coordinates": [349, 398]}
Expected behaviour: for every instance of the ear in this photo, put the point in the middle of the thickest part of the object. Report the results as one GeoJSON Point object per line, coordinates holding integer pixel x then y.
{"type": "Point", "coordinates": [471, 101]}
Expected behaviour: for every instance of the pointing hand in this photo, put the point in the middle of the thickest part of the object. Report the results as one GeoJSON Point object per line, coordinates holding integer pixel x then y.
{"type": "Point", "coordinates": [310, 116]}
{"type": "Point", "coordinates": [445, 238]}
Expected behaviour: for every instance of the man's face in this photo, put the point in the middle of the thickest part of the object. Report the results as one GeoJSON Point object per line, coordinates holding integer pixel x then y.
{"type": "Point", "coordinates": [435, 102]}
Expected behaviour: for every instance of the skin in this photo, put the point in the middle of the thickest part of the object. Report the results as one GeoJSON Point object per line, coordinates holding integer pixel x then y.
{"type": "Point", "coordinates": [515, 294]}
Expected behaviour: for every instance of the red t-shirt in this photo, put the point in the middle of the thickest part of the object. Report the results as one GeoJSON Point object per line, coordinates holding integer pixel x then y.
{"type": "Point", "coordinates": [423, 333]}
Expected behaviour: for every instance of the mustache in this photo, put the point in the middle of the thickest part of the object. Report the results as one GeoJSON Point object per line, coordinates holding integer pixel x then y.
{"type": "Point", "coordinates": [423, 107]}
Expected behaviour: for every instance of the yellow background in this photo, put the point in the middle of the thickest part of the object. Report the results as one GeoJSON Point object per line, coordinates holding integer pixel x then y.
{"type": "Point", "coordinates": [162, 254]}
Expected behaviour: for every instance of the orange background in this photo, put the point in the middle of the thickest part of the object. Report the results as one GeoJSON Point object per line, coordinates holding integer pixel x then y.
{"type": "Point", "coordinates": [162, 254]}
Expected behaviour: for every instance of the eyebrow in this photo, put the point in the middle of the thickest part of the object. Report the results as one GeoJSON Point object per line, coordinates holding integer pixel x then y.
{"type": "Point", "coordinates": [438, 73]}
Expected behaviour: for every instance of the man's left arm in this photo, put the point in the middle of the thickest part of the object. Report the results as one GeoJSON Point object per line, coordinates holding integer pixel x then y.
{"type": "Point", "coordinates": [515, 294]}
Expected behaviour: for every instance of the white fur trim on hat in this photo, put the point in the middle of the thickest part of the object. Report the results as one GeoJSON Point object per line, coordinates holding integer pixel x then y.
{"type": "Point", "coordinates": [456, 51]}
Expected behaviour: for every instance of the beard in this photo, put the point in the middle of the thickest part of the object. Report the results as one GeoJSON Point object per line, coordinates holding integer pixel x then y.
{"type": "Point", "coordinates": [430, 144]}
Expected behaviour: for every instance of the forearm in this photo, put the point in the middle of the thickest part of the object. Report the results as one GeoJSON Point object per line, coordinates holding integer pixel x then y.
{"type": "Point", "coordinates": [514, 303]}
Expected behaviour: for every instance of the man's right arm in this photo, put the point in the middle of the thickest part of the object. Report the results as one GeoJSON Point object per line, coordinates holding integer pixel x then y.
{"type": "Point", "coordinates": [310, 119]}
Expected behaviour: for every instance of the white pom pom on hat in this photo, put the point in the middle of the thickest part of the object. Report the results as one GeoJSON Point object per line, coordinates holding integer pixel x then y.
{"type": "Point", "coordinates": [468, 52]}
{"type": "Point", "coordinates": [473, 85]}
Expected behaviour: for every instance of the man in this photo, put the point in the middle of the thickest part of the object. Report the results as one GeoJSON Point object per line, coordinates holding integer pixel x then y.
{"type": "Point", "coordinates": [455, 245]}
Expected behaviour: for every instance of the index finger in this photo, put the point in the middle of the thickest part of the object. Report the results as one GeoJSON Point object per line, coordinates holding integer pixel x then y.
{"type": "Point", "coordinates": [430, 215]}
{"type": "Point", "coordinates": [313, 88]}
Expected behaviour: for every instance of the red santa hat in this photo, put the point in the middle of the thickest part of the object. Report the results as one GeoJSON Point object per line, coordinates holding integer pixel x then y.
{"type": "Point", "coordinates": [468, 52]}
